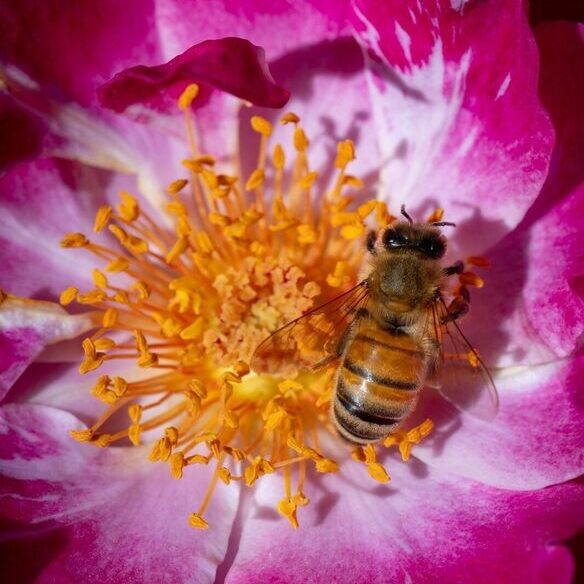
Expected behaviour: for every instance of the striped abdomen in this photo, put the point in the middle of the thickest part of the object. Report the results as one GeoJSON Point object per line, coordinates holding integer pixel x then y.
{"type": "Point", "coordinates": [377, 384]}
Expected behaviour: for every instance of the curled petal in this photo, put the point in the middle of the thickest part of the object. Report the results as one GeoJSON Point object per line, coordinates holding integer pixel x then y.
{"type": "Point", "coordinates": [231, 64]}
{"type": "Point", "coordinates": [26, 328]}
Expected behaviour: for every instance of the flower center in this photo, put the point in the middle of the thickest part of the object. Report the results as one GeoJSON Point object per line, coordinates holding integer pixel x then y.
{"type": "Point", "coordinates": [189, 306]}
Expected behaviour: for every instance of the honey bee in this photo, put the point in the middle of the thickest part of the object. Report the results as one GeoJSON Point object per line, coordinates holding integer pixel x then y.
{"type": "Point", "coordinates": [392, 333]}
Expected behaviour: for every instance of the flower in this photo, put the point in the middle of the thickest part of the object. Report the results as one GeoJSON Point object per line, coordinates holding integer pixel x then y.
{"type": "Point", "coordinates": [438, 117]}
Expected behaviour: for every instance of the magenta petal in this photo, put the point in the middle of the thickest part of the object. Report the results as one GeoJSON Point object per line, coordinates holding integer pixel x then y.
{"type": "Point", "coordinates": [232, 65]}
{"type": "Point", "coordinates": [424, 527]}
{"type": "Point", "coordinates": [26, 328]}
{"type": "Point", "coordinates": [459, 122]}
{"type": "Point", "coordinates": [116, 517]}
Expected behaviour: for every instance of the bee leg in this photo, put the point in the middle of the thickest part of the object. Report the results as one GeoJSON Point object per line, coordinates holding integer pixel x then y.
{"type": "Point", "coordinates": [455, 268]}
{"type": "Point", "coordinates": [457, 309]}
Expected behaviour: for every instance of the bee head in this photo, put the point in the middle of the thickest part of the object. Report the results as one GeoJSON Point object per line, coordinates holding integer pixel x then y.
{"type": "Point", "coordinates": [417, 237]}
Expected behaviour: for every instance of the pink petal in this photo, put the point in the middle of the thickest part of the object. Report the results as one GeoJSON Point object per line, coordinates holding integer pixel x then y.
{"type": "Point", "coordinates": [279, 27]}
{"type": "Point", "coordinates": [232, 64]}
{"type": "Point", "coordinates": [41, 201]}
{"type": "Point", "coordinates": [119, 518]}
{"type": "Point", "coordinates": [535, 440]}
{"type": "Point", "coordinates": [61, 57]}
{"type": "Point", "coordinates": [458, 119]}
{"type": "Point", "coordinates": [26, 328]}
{"type": "Point", "coordinates": [424, 527]}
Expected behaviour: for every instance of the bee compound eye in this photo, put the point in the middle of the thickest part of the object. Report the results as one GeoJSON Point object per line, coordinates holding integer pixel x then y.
{"type": "Point", "coordinates": [393, 238]}
{"type": "Point", "coordinates": [433, 247]}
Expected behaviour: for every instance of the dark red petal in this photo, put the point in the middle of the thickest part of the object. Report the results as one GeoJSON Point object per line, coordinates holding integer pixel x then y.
{"type": "Point", "coordinates": [233, 65]}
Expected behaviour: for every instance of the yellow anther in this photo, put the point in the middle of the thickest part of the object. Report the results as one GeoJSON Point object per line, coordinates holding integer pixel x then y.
{"type": "Point", "coordinates": [358, 454]}
{"type": "Point", "coordinates": [340, 276]}
{"type": "Point", "coordinates": [353, 231]}
{"type": "Point", "coordinates": [170, 327]}
{"type": "Point", "coordinates": [93, 297]}
{"type": "Point", "coordinates": [301, 142]}
{"type": "Point", "coordinates": [289, 118]}
{"type": "Point", "coordinates": [366, 209]}
{"type": "Point", "coordinates": [81, 435]}
{"type": "Point", "coordinates": [120, 386]}
{"type": "Point", "coordinates": [177, 463]}
{"type": "Point", "coordinates": [104, 343]}
{"type": "Point", "coordinates": [134, 433]}
{"type": "Point", "coordinates": [187, 97]}
{"type": "Point", "coordinates": [287, 508]}
{"type": "Point", "coordinates": [194, 330]}
{"type": "Point", "coordinates": [352, 181]}
{"type": "Point", "coordinates": [436, 215]}
{"type": "Point", "coordinates": [279, 157]}
{"type": "Point", "coordinates": [306, 234]}
{"type": "Point", "coordinates": [3, 296]}
{"type": "Point", "coordinates": [197, 522]}
{"type": "Point", "coordinates": [219, 219]}
{"type": "Point", "coordinates": [143, 289]}
{"type": "Point", "coordinates": [369, 453]}
{"type": "Point", "coordinates": [326, 465]}
{"type": "Point", "coordinates": [377, 472]}
{"type": "Point", "coordinates": [478, 261]}
{"type": "Point", "coordinates": [91, 363]}
{"type": "Point", "coordinates": [209, 178]}
{"type": "Point", "coordinates": [193, 403]}
{"type": "Point", "coordinates": [235, 453]}
{"type": "Point", "coordinates": [197, 459]}
{"type": "Point", "coordinates": [135, 413]}
{"type": "Point", "coordinates": [405, 449]}
{"type": "Point", "coordinates": [261, 125]}
{"type": "Point", "coordinates": [68, 295]}
{"type": "Point", "coordinates": [176, 186]}
{"type": "Point", "coordinates": [275, 419]}
{"type": "Point", "coordinates": [177, 249]}
{"type": "Point", "coordinates": [301, 499]}
{"type": "Point", "coordinates": [146, 360]}
{"type": "Point", "coordinates": [172, 434]}
{"type": "Point", "coordinates": [110, 317]}
{"type": "Point", "coordinates": [103, 440]}
{"type": "Point", "coordinates": [74, 240]}
{"type": "Point", "coordinates": [130, 242]}
{"type": "Point", "coordinates": [255, 180]}
{"type": "Point", "coordinates": [308, 180]}
{"type": "Point", "coordinates": [120, 264]}
{"type": "Point", "coordinates": [382, 215]}
{"type": "Point", "coordinates": [224, 475]}
{"type": "Point", "coordinates": [241, 368]}
{"type": "Point", "coordinates": [472, 359]}
{"type": "Point", "coordinates": [345, 153]}
{"type": "Point", "coordinates": [128, 209]}
{"type": "Point", "coordinates": [203, 243]}
{"type": "Point", "coordinates": [471, 279]}
{"type": "Point", "coordinates": [198, 388]}
{"type": "Point", "coordinates": [102, 218]}
{"type": "Point", "coordinates": [99, 279]}
{"type": "Point", "coordinates": [88, 347]}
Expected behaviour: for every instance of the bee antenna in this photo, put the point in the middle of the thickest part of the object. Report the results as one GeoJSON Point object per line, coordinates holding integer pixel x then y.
{"type": "Point", "coordinates": [443, 224]}
{"type": "Point", "coordinates": [404, 213]}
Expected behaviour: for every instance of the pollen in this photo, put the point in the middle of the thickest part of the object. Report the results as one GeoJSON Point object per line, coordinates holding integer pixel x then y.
{"type": "Point", "coordinates": [184, 308]}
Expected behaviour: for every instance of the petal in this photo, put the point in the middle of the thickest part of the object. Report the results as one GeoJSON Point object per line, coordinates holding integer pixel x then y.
{"type": "Point", "coordinates": [22, 133]}
{"type": "Point", "coordinates": [26, 328]}
{"type": "Point", "coordinates": [425, 526]}
{"type": "Point", "coordinates": [39, 202]}
{"type": "Point", "coordinates": [61, 58]}
{"type": "Point", "coordinates": [264, 23]}
{"type": "Point", "coordinates": [458, 119]}
{"type": "Point", "coordinates": [535, 440]}
{"type": "Point", "coordinates": [118, 517]}
{"type": "Point", "coordinates": [232, 65]}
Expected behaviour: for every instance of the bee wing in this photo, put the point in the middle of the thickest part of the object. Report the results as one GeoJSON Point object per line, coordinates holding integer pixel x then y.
{"type": "Point", "coordinates": [311, 340]}
{"type": "Point", "coordinates": [463, 379]}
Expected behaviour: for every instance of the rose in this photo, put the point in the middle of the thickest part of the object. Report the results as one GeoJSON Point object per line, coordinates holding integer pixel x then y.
{"type": "Point", "coordinates": [82, 492]}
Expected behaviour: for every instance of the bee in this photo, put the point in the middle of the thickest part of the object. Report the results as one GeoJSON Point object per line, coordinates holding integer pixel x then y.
{"type": "Point", "coordinates": [392, 334]}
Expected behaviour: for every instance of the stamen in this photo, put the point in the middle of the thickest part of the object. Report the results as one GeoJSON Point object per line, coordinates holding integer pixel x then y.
{"type": "Point", "coordinates": [189, 305]}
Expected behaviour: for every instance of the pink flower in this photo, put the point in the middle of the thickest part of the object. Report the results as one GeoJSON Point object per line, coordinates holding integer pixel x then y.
{"type": "Point", "coordinates": [443, 106]}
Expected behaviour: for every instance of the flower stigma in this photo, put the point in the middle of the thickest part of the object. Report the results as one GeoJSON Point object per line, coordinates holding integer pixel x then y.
{"type": "Point", "coordinates": [188, 307]}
